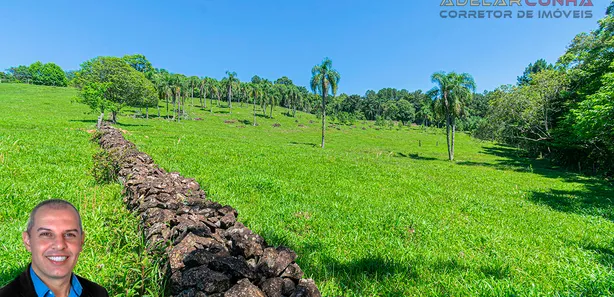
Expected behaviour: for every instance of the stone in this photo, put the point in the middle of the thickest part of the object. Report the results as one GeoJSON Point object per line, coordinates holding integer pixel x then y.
{"type": "Point", "coordinates": [235, 267]}
{"type": "Point", "coordinates": [205, 280]}
{"type": "Point", "coordinates": [176, 282]}
{"type": "Point", "coordinates": [191, 292]}
{"type": "Point", "coordinates": [244, 288]}
{"type": "Point", "coordinates": [300, 292]}
{"type": "Point", "coordinates": [228, 220]}
{"type": "Point", "coordinates": [189, 243]}
{"type": "Point", "coordinates": [310, 286]}
{"type": "Point", "coordinates": [273, 287]}
{"type": "Point", "coordinates": [244, 241]}
{"type": "Point", "coordinates": [274, 261]}
{"type": "Point", "coordinates": [293, 271]}
{"type": "Point", "coordinates": [227, 210]}
{"type": "Point", "coordinates": [288, 287]}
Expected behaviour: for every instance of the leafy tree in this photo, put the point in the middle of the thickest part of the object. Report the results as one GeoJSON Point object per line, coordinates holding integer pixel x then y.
{"type": "Point", "coordinates": [406, 111]}
{"type": "Point", "coordinates": [256, 79]}
{"type": "Point", "coordinates": [123, 86]}
{"type": "Point", "coordinates": [20, 73]}
{"type": "Point", "coordinates": [452, 90]}
{"type": "Point", "coordinates": [48, 74]}
{"type": "Point", "coordinates": [593, 123]}
{"type": "Point", "coordinates": [139, 63]}
{"type": "Point", "coordinates": [539, 66]}
{"type": "Point", "coordinates": [390, 110]}
{"type": "Point", "coordinates": [284, 80]}
{"type": "Point", "coordinates": [93, 94]}
{"type": "Point", "coordinates": [324, 79]}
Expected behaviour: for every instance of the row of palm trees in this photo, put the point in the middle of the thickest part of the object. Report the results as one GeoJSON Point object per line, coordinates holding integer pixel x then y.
{"type": "Point", "coordinates": [176, 89]}
{"type": "Point", "coordinates": [451, 91]}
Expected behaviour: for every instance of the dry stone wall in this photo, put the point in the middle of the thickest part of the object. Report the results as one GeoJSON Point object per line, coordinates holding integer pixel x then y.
{"type": "Point", "coordinates": [209, 252]}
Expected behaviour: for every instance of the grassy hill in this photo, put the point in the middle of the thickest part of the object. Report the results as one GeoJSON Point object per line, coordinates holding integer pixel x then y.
{"type": "Point", "coordinates": [378, 212]}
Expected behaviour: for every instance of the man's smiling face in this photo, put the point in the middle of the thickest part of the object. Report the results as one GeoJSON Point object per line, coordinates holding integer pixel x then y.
{"type": "Point", "coordinates": [55, 241]}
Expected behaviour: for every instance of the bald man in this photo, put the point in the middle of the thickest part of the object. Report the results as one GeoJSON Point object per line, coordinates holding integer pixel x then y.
{"type": "Point", "coordinates": [54, 236]}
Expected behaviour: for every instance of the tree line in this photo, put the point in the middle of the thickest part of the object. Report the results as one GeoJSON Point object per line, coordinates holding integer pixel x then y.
{"type": "Point", "coordinates": [37, 73]}
{"type": "Point", "coordinates": [562, 111]}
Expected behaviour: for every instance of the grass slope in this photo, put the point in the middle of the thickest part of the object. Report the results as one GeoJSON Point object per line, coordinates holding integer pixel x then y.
{"type": "Point", "coordinates": [45, 153]}
{"type": "Point", "coordinates": [374, 213]}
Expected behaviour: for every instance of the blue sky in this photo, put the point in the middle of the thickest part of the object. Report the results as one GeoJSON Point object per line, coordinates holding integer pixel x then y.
{"type": "Point", "coordinates": [373, 44]}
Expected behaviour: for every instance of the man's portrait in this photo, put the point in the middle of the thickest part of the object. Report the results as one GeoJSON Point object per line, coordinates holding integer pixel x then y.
{"type": "Point", "coordinates": [54, 236]}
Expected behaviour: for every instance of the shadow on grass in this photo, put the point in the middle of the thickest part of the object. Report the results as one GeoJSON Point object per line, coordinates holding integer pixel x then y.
{"type": "Point", "coordinates": [131, 125]}
{"type": "Point", "coordinates": [596, 198]}
{"type": "Point", "coordinates": [604, 255]}
{"type": "Point", "coordinates": [246, 122]}
{"type": "Point", "coordinates": [415, 157]}
{"type": "Point", "coordinates": [84, 121]}
{"type": "Point", "coordinates": [304, 143]}
{"type": "Point", "coordinates": [513, 159]}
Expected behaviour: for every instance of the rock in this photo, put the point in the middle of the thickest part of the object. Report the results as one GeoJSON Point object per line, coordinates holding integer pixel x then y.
{"type": "Point", "coordinates": [285, 257]}
{"type": "Point", "coordinates": [189, 243]}
{"type": "Point", "coordinates": [191, 292]}
{"type": "Point", "coordinates": [235, 267]}
{"type": "Point", "coordinates": [205, 280]}
{"type": "Point", "coordinates": [310, 286]}
{"type": "Point", "coordinates": [227, 210]}
{"type": "Point", "coordinates": [228, 220]}
{"type": "Point", "coordinates": [244, 241]}
{"type": "Point", "coordinates": [198, 258]}
{"type": "Point", "coordinates": [293, 271]}
{"type": "Point", "coordinates": [288, 287]}
{"type": "Point", "coordinates": [300, 292]}
{"type": "Point", "coordinates": [176, 282]}
{"type": "Point", "coordinates": [244, 288]}
{"type": "Point", "coordinates": [273, 287]}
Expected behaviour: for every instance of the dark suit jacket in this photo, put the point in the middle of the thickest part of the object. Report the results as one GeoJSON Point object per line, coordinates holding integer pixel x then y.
{"type": "Point", "coordinates": [22, 286]}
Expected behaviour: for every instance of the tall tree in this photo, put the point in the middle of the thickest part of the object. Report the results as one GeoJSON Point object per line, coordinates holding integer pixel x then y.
{"type": "Point", "coordinates": [539, 66]}
{"type": "Point", "coordinates": [324, 79]}
{"type": "Point", "coordinates": [452, 90]}
{"type": "Point", "coordinates": [231, 80]}
{"type": "Point", "coordinates": [255, 91]}
{"type": "Point", "coordinates": [139, 63]}
{"type": "Point", "coordinates": [120, 84]}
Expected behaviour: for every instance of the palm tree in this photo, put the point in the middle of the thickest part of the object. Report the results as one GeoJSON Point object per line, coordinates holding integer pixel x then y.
{"type": "Point", "coordinates": [324, 79]}
{"type": "Point", "coordinates": [203, 92]}
{"type": "Point", "coordinates": [267, 90]}
{"type": "Point", "coordinates": [232, 79]}
{"type": "Point", "coordinates": [295, 96]}
{"type": "Point", "coordinates": [215, 90]}
{"type": "Point", "coordinates": [255, 91]}
{"type": "Point", "coordinates": [277, 94]}
{"type": "Point", "coordinates": [452, 91]}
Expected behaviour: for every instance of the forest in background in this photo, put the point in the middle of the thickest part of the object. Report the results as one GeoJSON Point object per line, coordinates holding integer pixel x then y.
{"type": "Point", "coordinates": [563, 111]}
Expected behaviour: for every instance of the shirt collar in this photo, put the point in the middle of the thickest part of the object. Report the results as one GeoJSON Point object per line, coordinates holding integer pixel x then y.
{"type": "Point", "coordinates": [43, 291]}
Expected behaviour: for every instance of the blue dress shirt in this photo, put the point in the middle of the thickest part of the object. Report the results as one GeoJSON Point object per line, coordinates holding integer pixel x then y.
{"type": "Point", "coordinates": [43, 291]}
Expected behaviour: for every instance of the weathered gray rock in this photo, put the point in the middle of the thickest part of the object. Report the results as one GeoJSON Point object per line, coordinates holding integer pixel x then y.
{"type": "Point", "coordinates": [288, 287]}
{"type": "Point", "coordinates": [273, 287]}
{"type": "Point", "coordinates": [310, 286]}
{"type": "Point", "coordinates": [205, 280]}
{"type": "Point", "coordinates": [293, 271]}
{"type": "Point", "coordinates": [244, 288]}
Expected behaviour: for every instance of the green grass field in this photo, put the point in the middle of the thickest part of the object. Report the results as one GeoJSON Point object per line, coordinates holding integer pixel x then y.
{"type": "Point", "coordinates": [374, 213]}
